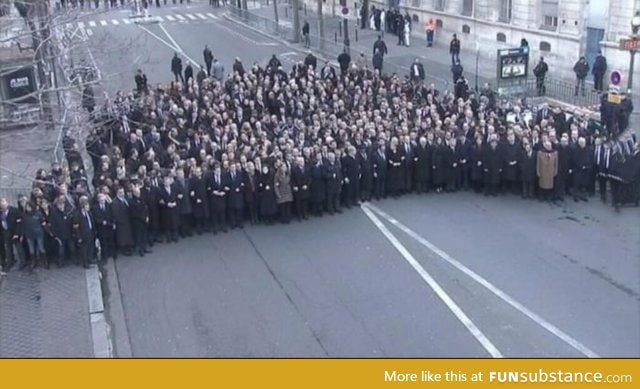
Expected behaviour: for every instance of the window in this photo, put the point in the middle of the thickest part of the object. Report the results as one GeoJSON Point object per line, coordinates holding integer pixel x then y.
{"type": "Point", "coordinates": [439, 5]}
{"type": "Point", "coordinates": [416, 3]}
{"type": "Point", "coordinates": [500, 37]}
{"type": "Point", "coordinates": [415, 18]}
{"type": "Point", "coordinates": [439, 23]}
{"type": "Point", "coordinates": [505, 11]}
{"type": "Point", "coordinates": [545, 46]}
{"type": "Point", "coordinates": [550, 14]}
{"type": "Point", "coordinates": [466, 29]}
{"type": "Point", "coordinates": [467, 7]}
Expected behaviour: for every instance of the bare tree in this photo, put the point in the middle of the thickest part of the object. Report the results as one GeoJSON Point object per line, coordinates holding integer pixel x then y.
{"type": "Point", "coordinates": [320, 24]}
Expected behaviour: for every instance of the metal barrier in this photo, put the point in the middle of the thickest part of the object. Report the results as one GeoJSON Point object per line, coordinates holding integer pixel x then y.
{"type": "Point", "coordinates": [552, 88]}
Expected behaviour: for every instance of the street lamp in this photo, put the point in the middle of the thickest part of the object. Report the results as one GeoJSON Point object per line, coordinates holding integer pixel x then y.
{"type": "Point", "coordinates": [635, 29]}
{"type": "Point", "coordinates": [477, 58]}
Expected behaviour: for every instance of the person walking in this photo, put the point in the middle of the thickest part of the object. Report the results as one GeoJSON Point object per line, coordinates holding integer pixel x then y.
{"type": "Point", "coordinates": [284, 195]}
{"type": "Point", "coordinates": [546, 169]}
{"type": "Point", "coordinates": [305, 34]}
{"type": "Point", "coordinates": [431, 31]}
{"type": "Point", "coordinates": [208, 58]}
{"type": "Point", "coordinates": [454, 49]}
{"type": "Point", "coordinates": [176, 67]}
{"type": "Point", "coordinates": [599, 70]}
{"type": "Point", "coordinates": [540, 72]}
{"type": "Point", "coordinates": [581, 69]}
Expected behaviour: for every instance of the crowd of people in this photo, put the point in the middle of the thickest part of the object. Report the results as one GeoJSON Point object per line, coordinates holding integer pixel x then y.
{"type": "Point", "coordinates": [263, 145]}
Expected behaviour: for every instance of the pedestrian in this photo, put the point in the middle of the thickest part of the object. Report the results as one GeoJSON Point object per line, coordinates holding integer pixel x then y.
{"type": "Point", "coordinates": [141, 81]}
{"type": "Point", "coordinates": [251, 192]}
{"type": "Point", "coordinates": [105, 227]}
{"type": "Point", "coordinates": [176, 67]}
{"type": "Point", "coordinates": [599, 70]}
{"type": "Point", "coordinates": [582, 162]}
{"type": "Point", "coordinates": [377, 61]}
{"type": "Point", "coordinates": [267, 195]}
{"type": "Point", "coordinates": [200, 76]}
{"type": "Point", "coordinates": [88, 100]}
{"type": "Point", "coordinates": [407, 33]}
{"type": "Point", "coordinates": [217, 199]}
{"type": "Point", "coordinates": [208, 58]}
{"type": "Point", "coordinates": [333, 177]}
{"type": "Point", "coordinates": [218, 70]}
{"type": "Point", "coordinates": [185, 209]}
{"type": "Point", "coordinates": [380, 46]}
{"type": "Point", "coordinates": [527, 164]}
{"type": "Point", "coordinates": [546, 169]}
{"type": "Point", "coordinates": [62, 230]}
{"type": "Point", "coordinates": [456, 71]}
{"type": "Point", "coordinates": [351, 177]}
{"type": "Point", "coordinates": [431, 31]}
{"type": "Point", "coordinates": [454, 49]}
{"type": "Point", "coordinates": [581, 69]}
{"type": "Point", "coordinates": [417, 71]}
{"type": "Point", "coordinates": [33, 231]}
{"type": "Point", "coordinates": [283, 192]}
{"type": "Point", "coordinates": [85, 232]}
{"type": "Point", "coordinates": [235, 196]}
{"type": "Point", "coordinates": [122, 221]}
{"type": "Point", "coordinates": [188, 73]}
{"type": "Point", "coordinates": [344, 60]}
{"type": "Point", "coordinates": [540, 72]}
{"type": "Point", "coordinates": [305, 34]}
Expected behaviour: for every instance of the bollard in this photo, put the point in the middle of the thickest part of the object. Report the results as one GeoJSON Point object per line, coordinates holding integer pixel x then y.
{"type": "Point", "coordinates": [356, 29]}
{"type": "Point", "coordinates": [340, 29]}
{"type": "Point", "coordinates": [286, 12]}
{"type": "Point", "coordinates": [305, 9]}
{"type": "Point", "coordinates": [335, 37]}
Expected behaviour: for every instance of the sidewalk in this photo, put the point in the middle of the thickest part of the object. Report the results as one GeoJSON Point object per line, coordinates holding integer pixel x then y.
{"type": "Point", "coordinates": [43, 313]}
{"type": "Point", "coordinates": [436, 60]}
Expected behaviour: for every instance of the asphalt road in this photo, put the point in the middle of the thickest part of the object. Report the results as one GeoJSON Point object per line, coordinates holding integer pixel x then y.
{"type": "Point", "coordinates": [456, 275]}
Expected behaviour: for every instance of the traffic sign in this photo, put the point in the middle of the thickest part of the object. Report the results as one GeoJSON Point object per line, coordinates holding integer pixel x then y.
{"type": "Point", "coordinates": [630, 44]}
{"type": "Point", "coordinates": [345, 11]}
{"type": "Point", "coordinates": [616, 77]}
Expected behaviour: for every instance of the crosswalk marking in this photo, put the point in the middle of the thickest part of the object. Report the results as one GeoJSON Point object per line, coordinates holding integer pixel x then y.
{"type": "Point", "coordinates": [191, 17]}
{"type": "Point", "coordinates": [69, 26]}
{"type": "Point", "coordinates": [103, 22]}
{"type": "Point", "coordinates": [92, 23]}
{"type": "Point", "coordinates": [201, 16]}
{"type": "Point", "coordinates": [159, 18]}
{"type": "Point", "coordinates": [180, 17]}
{"type": "Point", "coordinates": [89, 32]}
{"type": "Point", "coordinates": [114, 22]}
{"type": "Point", "coordinates": [126, 21]}
{"type": "Point", "coordinates": [117, 22]}
{"type": "Point", "coordinates": [170, 18]}
{"type": "Point", "coordinates": [212, 16]}
{"type": "Point", "coordinates": [81, 24]}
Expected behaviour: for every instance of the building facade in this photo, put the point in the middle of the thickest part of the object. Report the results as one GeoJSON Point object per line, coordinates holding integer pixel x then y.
{"type": "Point", "coordinates": [559, 30]}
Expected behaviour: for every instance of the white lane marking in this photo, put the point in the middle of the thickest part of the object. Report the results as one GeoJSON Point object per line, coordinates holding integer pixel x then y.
{"type": "Point", "coordinates": [201, 16]}
{"type": "Point", "coordinates": [212, 16]}
{"type": "Point", "coordinates": [81, 24]}
{"type": "Point", "coordinates": [171, 18]}
{"type": "Point", "coordinates": [159, 18]}
{"type": "Point", "coordinates": [103, 22]}
{"type": "Point", "coordinates": [158, 38]}
{"type": "Point", "coordinates": [191, 16]}
{"type": "Point", "coordinates": [89, 32]}
{"type": "Point", "coordinates": [245, 38]}
{"type": "Point", "coordinates": [176, 45]}
{"type": "Point", "coordinates": [114, 21]}
{"type": "Point", "coordinates": [92, 23]}
{"type": "Point", "coordinates": [433, 284]}
{"type": "Point", "coordinates": [488, 285]}
{"type": "Point", "coordinates": [126, 21]}
{"type": "Point", "coordinates": [180, 17]}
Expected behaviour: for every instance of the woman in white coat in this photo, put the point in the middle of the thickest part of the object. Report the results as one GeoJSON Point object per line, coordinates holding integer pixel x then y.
{"type": "Point", "coordinates": [407, 33]}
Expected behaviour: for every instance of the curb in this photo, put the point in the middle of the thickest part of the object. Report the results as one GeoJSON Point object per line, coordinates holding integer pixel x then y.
{"type": "Point", "coordinates": [115, 309]}
{"type": "Point", "coordinates": [100, 330]}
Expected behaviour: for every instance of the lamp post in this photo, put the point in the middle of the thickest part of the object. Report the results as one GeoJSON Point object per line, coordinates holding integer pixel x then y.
{"type": "Point", "coordinates": [477, 58]}
{"type": "Point", "coordinates": [635, 29]}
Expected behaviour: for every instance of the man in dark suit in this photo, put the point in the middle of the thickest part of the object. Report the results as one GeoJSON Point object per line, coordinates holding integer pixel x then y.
{"type": "Point", "coordinates": [301, 184]}
{"type": "Point", "coordinates": [84, 228]}
{"type": "Point", "coordinates": [380, 172]}
{"type": "Point", "coordinates": [333, 176]}
{"type": "Point", "coordinates": [198, 195]}
{"type": "Point", "coordinates": [139, 220]}
{"type": "Point", "coordinates": [11, 234]}
{"type": "Point", "coordinates": [602, 161]}
{"type": "Point", "coordinates": [235, 196]}
{"type": "Point", "coordinates": [169, 209]}
{"type": "Point", "coordinates": [544, 113]}
{"type": "Point", "coordinates": [351, 176]}
{"type": "Point", "coordinates": [122, 220]}
{"type": "Point", "coordinates": [62, 230]}
{"type": "Point", "coordinates": [105, 227]}
{"type": "Point", "coordinates": [217, 199]}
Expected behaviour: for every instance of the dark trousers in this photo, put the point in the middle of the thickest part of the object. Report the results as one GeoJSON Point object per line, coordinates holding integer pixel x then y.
{"type": "Point", "coordinates": [253, 212]}
{"type": "Point", "coordinates": [141, 238]}
{"type": "Point", "coordinates": [333, 202]}
{"type": "Point", "coordinates": [318, 207]}
{"type": "Point", "coordinates": [235, 217]}
{"type": "Point", "coordinates": [527, 189]}
{"type": "Point", "coordinates": [86, 251]}
{"type": "Point", "coordinates": [423, 185]}
{"type": "Point", "coordinates": [540, 86]}
{"type": "Point", "coordinates": [429, 38]}
{"type": "Point", "coordinates": [12, 252]}
{"type": "Point", "coordinates": [455, 57]}
{"type": "Point", "coordinates": [107, 244]}
{"type": "Point", "coordinates": [218, 221]}
{"type": "Point", "coordinates": [602, 184]}
{"type": "Point", "coordinates": [185, 225]}
{"type": "Point", "coordinates": [302, 206]}
{"type": "Point", "coordinates": [285, 212]}
{"type": "Point", "coordinates": [178, 75]}
{"type": "Point", "coordinates": [208, 68]}
{"type": "Point", "coordinates": [199, 224]}
{"type": "Point", "coordinates": [560, 187]}
{"type": "Point", "coordinates": [66, 251]}
{"type": "Point", "coordinates": [597, 81]}
{"type": "Point", "coordinates": [379, 188]}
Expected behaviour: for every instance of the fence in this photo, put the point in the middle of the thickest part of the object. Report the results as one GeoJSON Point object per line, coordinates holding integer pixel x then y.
{"type": "Point", "coordinates": [12, 194]}
{"type": "Point", "coordinates": [553, 88]}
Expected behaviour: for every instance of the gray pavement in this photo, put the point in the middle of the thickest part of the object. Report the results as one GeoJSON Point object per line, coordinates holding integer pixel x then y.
{"type": "Point", "coordinates": [45, 313]}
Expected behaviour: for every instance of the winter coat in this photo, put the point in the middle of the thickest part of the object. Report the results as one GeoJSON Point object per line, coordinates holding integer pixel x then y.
{"type": "Point", "coordinates": [546, 168]}
{"type": "Point", "coordinates": [282, 185]}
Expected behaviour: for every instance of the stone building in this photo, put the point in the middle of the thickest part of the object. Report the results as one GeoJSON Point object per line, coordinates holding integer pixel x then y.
{"type": "Point", "coordinates": [559, 30]}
